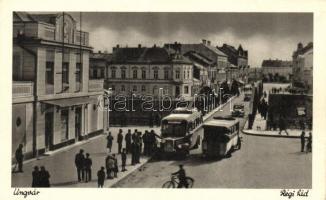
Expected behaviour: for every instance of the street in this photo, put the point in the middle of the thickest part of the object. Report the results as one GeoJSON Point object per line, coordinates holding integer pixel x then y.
{"type": "Point", "coordinates": [262, 162]}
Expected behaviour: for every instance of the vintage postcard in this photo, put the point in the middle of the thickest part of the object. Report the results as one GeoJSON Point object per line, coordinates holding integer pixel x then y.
{"type": "Point", "coordinates": [163, 97]}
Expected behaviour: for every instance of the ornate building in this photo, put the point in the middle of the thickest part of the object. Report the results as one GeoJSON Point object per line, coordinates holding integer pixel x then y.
{"type": "Point", "coordinates": [149, 71]}
{"type": "Point", "coordinates": [54, 102]}
{"type": "Point", "coordinates": [303, 67]}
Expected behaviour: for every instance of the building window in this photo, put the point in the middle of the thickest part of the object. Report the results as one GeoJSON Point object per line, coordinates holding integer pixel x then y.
{"type": "Point", "coordinates": [123, 88]}
{"type": "Point", "coordinates": [143, 88]}
{"type": "Point", "coordinates": [65, 73]}
{"type": "Point", "coordinates": [64, 125]}
{"type": "Point", "coordinates": [123, 73]}
{"type": "Point", "coordinates": [113, 87]}
{"type": "Point", "coordinates": [188, 74]}
{"type": "Point", "coordinates": [78, 72]}
{"type": "Point", "coordinates": [165, 91]}
{"type": "Point", "coordinates": [134, 73]}
{"type": "Point", "coordinates": [166, 74]}
{"type": "Point", "coordinates": [113, 73]}
{"type": "Point", "coordinates": [102, 73]}
{"type": "Point", "coordinates": [134, 88]}
{"type": "Point", "coordinates": [186, 90]}
{"type": "Point", "coordinates": [143, 74]}
{"type": "Point", "coordinates": [155, 74]}
{"type": "Point", "coordinates": [49, 76]}
{"type": "Point", "coordinates": [184, 74]}
{"type": "Point", "coordinates": [177, 74]}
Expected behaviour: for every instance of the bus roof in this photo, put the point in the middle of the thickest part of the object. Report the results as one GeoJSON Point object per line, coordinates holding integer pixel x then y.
{"type": "Point", "coordinates": [179, 117]}
{"type": "Point", "coordinates": [221, 123]}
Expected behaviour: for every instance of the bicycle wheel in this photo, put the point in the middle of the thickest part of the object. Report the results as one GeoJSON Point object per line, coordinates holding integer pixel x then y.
{"type": "Point", "coordinates": [168, 184]}
{"type": "Point", "coordinates": [190, 182]}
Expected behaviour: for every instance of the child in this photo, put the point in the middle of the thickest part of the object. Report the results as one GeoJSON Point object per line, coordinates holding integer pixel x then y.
{"type": "Point", "coordinates": [100, 177]}
{"type": "Point", "coordinates": [123, 160]}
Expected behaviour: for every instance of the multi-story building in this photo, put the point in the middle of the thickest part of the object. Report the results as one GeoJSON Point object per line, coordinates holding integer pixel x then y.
{"type": "Point", "coordinates": [54, 102]}
{"type": "Point", "coordinates": [303, 67]}
{"type": "Point", "coordinates": [277, 70]}
{"type": "Point", "coordinates": [238, 59]}
{"type": "Point", "coordinates": [219, 59]}
{"type": "Point", "coordinates": [149, 71]}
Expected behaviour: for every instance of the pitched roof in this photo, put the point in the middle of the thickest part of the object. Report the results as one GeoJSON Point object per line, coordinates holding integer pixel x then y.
{"type": "Point", "coordinates": [276, 63]}
{"type": "Point", "coordinates": [192, 55]}
{"type": "Point", "coordinates": [146, 55]}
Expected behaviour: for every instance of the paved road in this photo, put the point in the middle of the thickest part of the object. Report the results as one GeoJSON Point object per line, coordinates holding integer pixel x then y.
{"type": "Point", "coordinates": [262, 162]}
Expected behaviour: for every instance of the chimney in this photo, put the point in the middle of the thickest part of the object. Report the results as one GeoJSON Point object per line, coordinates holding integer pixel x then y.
{"type": "Point", "coordinates": [208, 42]}
{"type": "Point", "coordinates": [204, 41]}
{"type": "Point", "coordinates": [139, 46]}
{"type": "Point", "coordinates": [118, 46]}
{"type": "Point", "coordinates": [154, 46]}
{"type": "Point", "coordinates": [99, 52]}
{"type": "Point", "coordinates": [300, 46]}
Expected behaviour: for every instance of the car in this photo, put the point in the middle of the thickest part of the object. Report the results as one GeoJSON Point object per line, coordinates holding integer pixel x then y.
{"type": "Point", "coordinates": [238, 110]}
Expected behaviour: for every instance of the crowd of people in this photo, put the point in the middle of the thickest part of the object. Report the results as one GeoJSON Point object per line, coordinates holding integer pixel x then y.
{"type": "Point", "coordinates": [136, 144]}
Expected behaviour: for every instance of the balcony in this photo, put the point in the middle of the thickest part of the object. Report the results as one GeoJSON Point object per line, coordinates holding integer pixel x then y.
{"type": "Point", "coordinates": [96, 85]}
{"type": "Point", "coordinates": [22, 89]}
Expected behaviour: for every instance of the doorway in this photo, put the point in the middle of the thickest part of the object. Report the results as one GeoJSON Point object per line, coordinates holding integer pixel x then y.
{"type": "Point", "coordinates": [78, 120]}
{"type": "Point", "coordinates": [48, 131]}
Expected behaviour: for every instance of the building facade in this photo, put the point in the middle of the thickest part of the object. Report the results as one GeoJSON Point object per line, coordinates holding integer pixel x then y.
{"type": "Point", "coordinates": [149, 71]}
{"type": "Point", "coordinates": [54, 102]}
{"type": "Point", "coordinates": [277, 70]}
{"type": "Point", "coordinates": [303, 67]}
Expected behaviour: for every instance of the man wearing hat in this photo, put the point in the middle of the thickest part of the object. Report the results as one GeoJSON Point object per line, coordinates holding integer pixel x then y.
{"type": "Point", "coordinates": [182, 177]}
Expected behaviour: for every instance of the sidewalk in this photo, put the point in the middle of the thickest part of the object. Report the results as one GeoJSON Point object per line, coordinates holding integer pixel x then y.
{"type": "Point", "coordinates": [259, 129]}
{"type": "Point", "coordinates": [61, 167]}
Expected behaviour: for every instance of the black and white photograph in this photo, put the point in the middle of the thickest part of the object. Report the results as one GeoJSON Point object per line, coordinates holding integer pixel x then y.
{"type": "Point", "coordinates": [163, 99]}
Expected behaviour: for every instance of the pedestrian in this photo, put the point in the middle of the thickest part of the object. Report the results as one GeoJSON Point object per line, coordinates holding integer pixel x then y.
{"type": "Point", "coordinates": [140, 142]}
{"type": "Point", "coordinates": [309, 143]}
{"type": "Point", "coordinates": [79, 162]}
{"type": "Point", "coordinates": [115, 167]}
{"type": "Point", "coordinates": [88, 168]}
{"type": "Point", "coordinates": [128, 141]}
{"type": "Point", "coordinates": [181, 173]}
{"type": "Point", "coordinates": [152, 140]}
{"type": "Point", "coordinates": [109, 139]}
{"type": "Point", "coordinates": [44, 177]}
{"type": "Point", "coordinates": [120, 140]}
{"type": "Point", "coordinates": [303, 140]}
{"type": "Point", "coordinates": [123, 160]}
{"type": "Point", "coordinates": [133, 153]}
{"type": "Point", "coordinates": [19, 157]}
{"type": "Point", "coordinates": [100, 177]}
{"type": "Point", "coordinates": [134, 135]}
{"type": "Point", "coordinates": [36, 177]}
{"type": "Point", "coordinates": [282, 126]}
{"type": "Point", "coordinates": [110, 166]}
{"type": "Point", "coordinates": [146, 143]}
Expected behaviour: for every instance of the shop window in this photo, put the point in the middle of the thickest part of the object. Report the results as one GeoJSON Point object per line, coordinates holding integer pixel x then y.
{"type": "Point", "coordinates": [64, 125]}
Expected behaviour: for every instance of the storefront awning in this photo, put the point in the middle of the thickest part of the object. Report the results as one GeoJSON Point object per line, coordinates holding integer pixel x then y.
{"type": "Point", "coordinates": [71, 101]}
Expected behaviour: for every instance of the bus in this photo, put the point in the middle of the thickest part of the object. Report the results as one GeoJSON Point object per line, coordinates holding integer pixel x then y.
{"type": "Point", "coordinates": [221, 137]}
{"type": "Point", "coordinates": [178, 131]}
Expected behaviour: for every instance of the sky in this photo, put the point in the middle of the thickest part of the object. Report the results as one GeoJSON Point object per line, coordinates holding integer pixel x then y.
{"type": "Point", "coordinates": [264, 35]}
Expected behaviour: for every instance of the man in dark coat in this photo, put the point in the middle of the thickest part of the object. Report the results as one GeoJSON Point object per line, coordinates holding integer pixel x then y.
{"type": "Point", "coordinates": [36, 177]}
{"type": "Point", "coordinates": [88, 168]}
{"type": "Point", "coordinates": [120, 140]}
{"type": "Point", "coordinates": [109, 139]}
{"type": "Point", "coordinates": [152, 139]}
{"type": "Point", "coordinates": [133, 152]}
{"type": "Point", "coordinates": [303, 140]}
{"type": "Point", "coordinates": [44, 177]}
{"type": "Point", "coordinates": [123, 160]}
{"type": "Point", "coordinates": [146, 143]}
{"type": "Point", "coordinates": [128, 141]}
{"type": "Point", "coordinates": [19, 157]}
{"type": "Point", "coordinates": [100, 177]}
{"type": "Point", "coordinates": [79, 162]}
{"type": "Point", "coordinates": [182, 177]}
{"type": "Point", "coordinates": [309, 143]}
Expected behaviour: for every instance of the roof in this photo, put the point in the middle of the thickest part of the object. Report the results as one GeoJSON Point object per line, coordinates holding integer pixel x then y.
{"type": "Point", "coordinates": [195, 56]}
{"type": "Point", "coordinates": [303, 50]}
{"type": "Point", "coordinates": [179, 117]}
{"type": "Point", "coordinates": [276, 63]}
{"type": "Point", "coordinates": [221, 123]}
{"type": "Point", "coordinates": [101, 56]}
{"type": "Point", "coordinates": [70, 101]}
{"type": "Point", "coordinates": [146, 55]}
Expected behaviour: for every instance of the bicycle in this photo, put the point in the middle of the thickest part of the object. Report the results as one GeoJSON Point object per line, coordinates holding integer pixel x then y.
{"type": "Point", "coordinates": [173, 183]}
